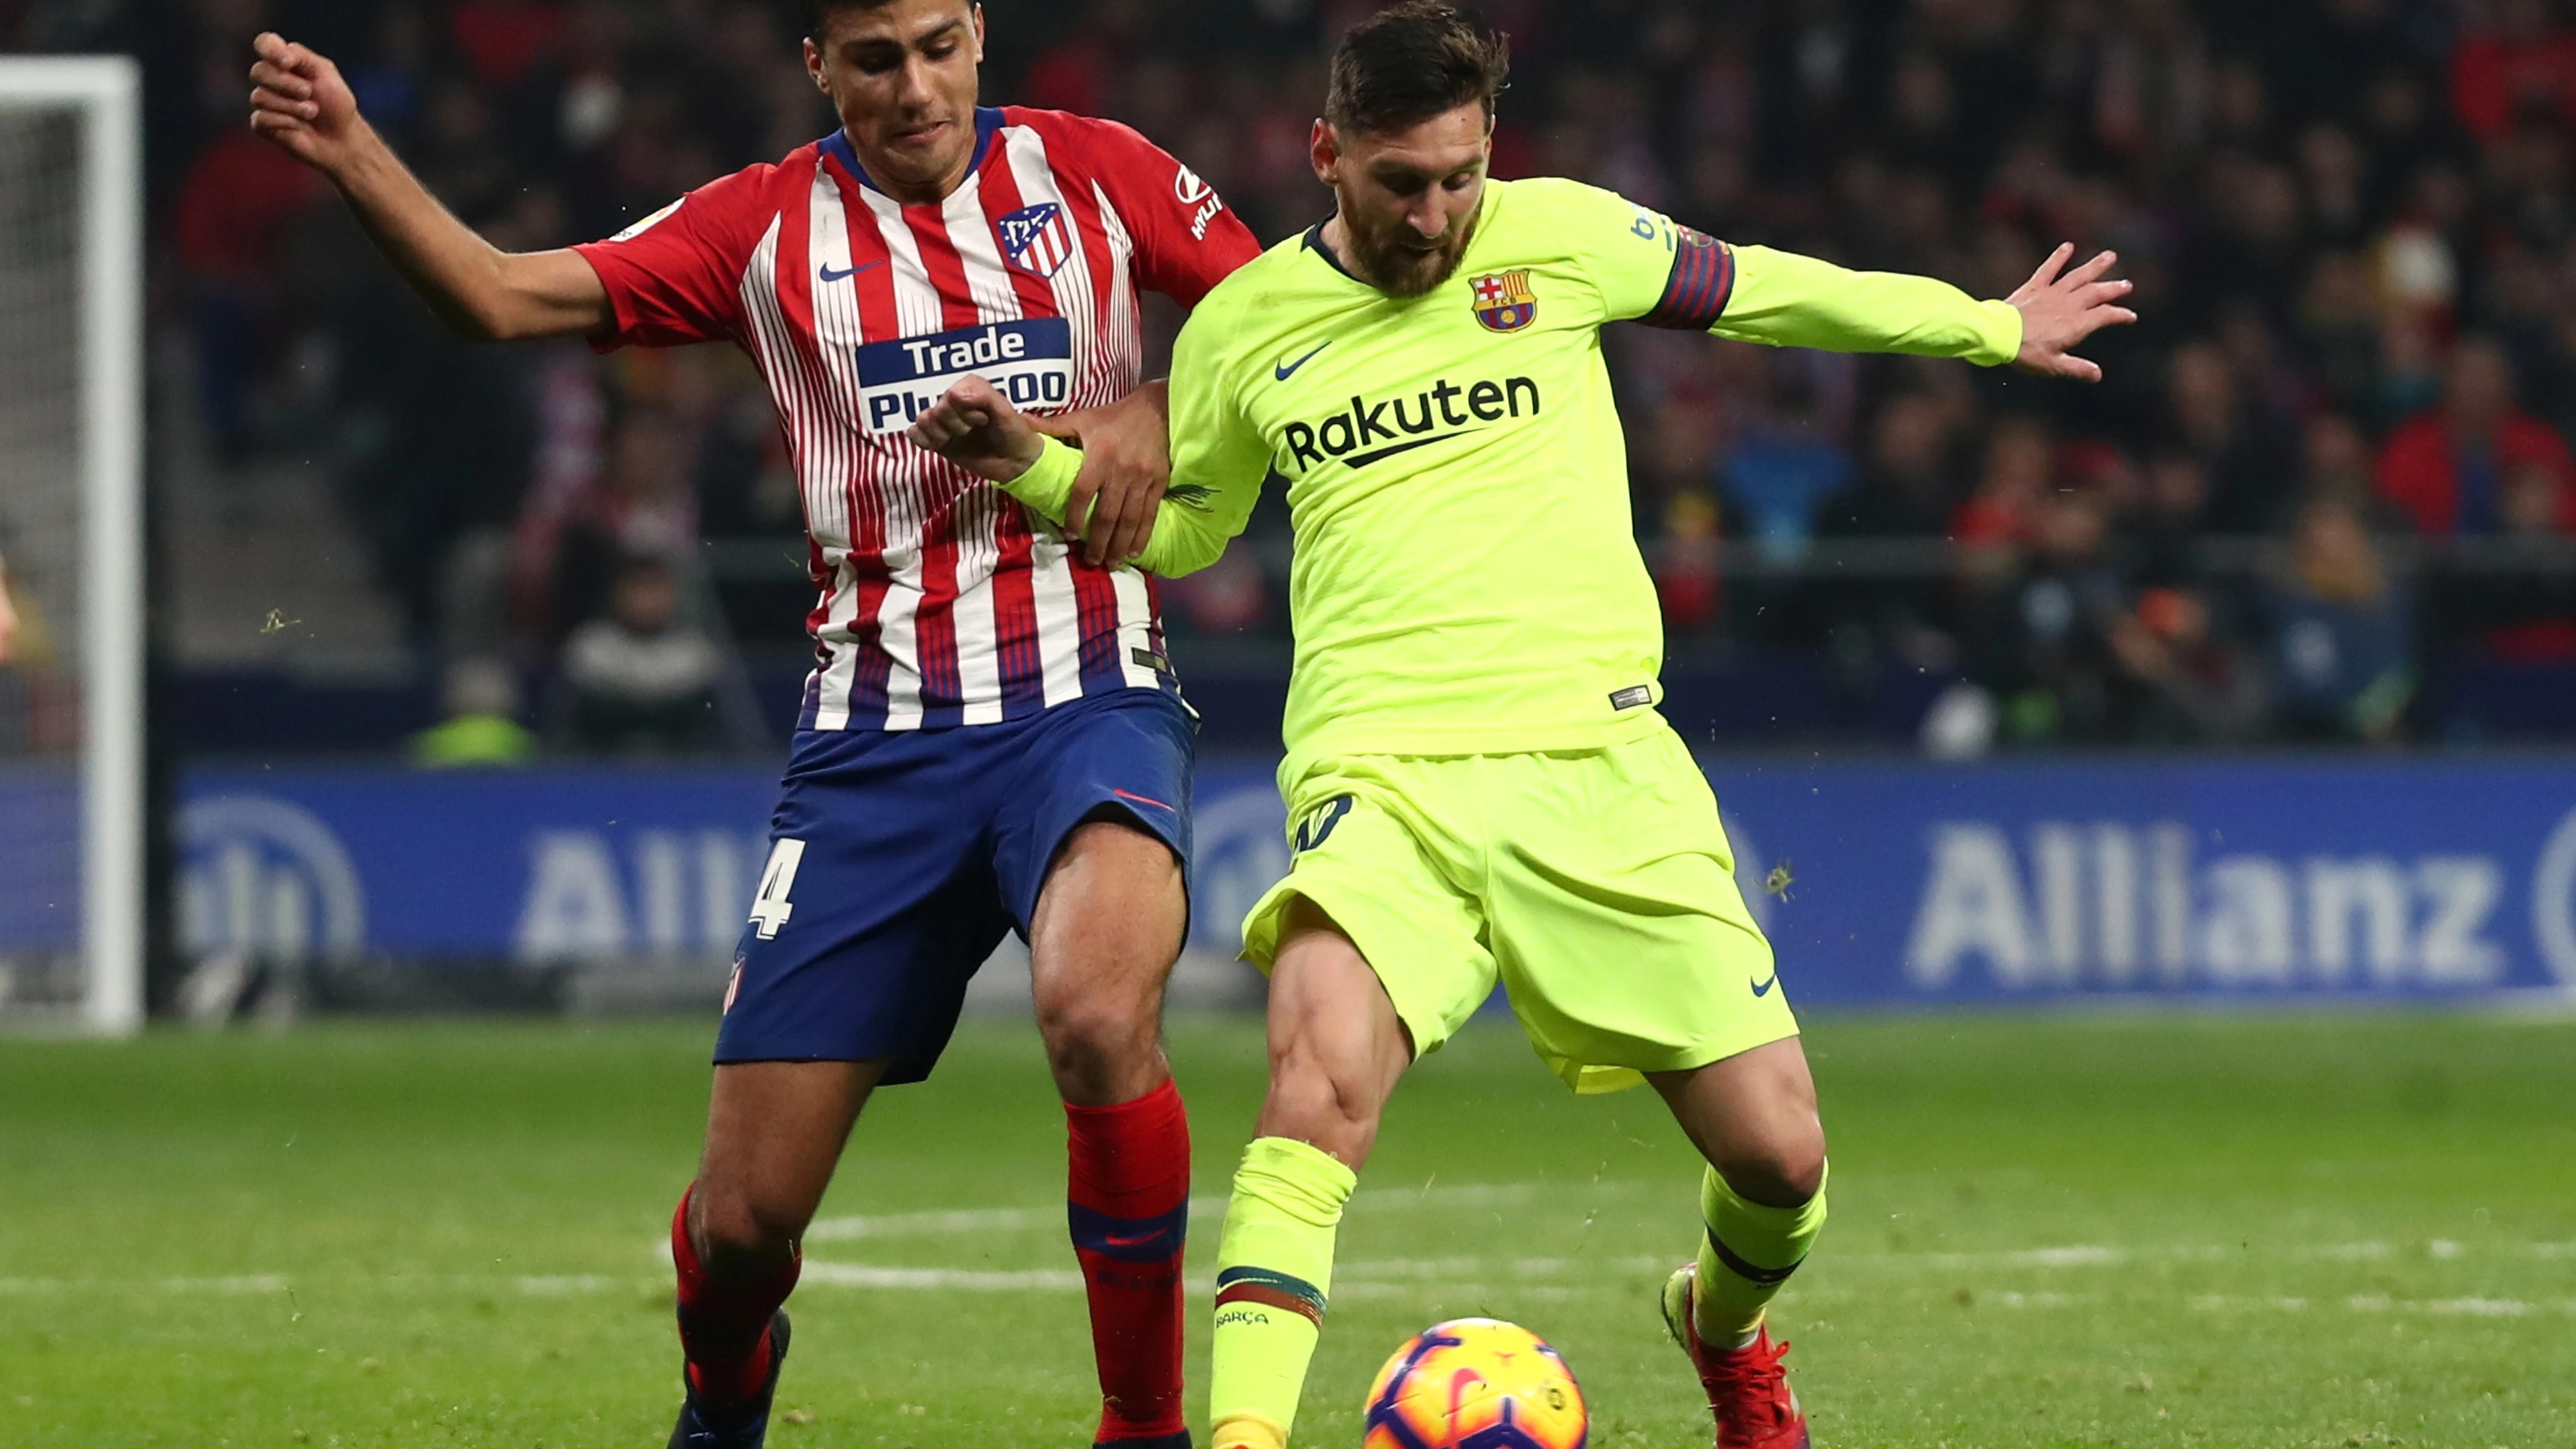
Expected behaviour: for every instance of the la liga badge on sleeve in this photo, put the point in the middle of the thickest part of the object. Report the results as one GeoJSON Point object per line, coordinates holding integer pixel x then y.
{"type": "Point", "coordinates": [1504, 301]}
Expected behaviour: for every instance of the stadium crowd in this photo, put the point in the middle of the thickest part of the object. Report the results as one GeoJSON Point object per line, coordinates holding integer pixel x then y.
{"type": "Point", "coordinates": [2324, 494]}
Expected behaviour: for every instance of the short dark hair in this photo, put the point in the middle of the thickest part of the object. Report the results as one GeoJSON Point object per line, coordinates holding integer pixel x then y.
{"type": "Point", "coordinates": [1412, 61]}
{"type": "Point", "coordinates": [819, 11]}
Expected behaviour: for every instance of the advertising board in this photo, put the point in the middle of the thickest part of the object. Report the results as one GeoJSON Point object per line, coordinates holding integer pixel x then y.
{"type": "Point", "coordinates": [1894, 883]}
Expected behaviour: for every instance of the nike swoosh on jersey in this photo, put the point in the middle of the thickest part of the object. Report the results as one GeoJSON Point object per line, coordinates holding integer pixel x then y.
{"type": "Point", "coordinates": [1763, 987]}
{"type": "Point", "coordinates": [1287, 370]}
{"type": "Point", "coordinates": [829, 275]}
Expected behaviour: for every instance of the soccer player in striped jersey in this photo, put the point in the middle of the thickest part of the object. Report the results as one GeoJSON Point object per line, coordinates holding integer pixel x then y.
{"type": "Point", "coordinates": [992, 737]}
{"type": "Point", "coordinates": [1480, 788]}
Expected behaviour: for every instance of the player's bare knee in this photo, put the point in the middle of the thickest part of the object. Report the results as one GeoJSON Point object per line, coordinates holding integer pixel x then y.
{"type": "Point", "coordinates": [1109, 1018]}
{"type": "Point", "coordinates": [738, 1233]}
{"type": "Point", "coordinates": [1781, 1168]}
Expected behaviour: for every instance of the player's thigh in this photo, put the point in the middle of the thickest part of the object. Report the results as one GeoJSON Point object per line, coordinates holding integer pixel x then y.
{"type": "Point", "coordinates": [1621, 933]}
{"type": "Point", "coordinates": [876, 907]}
{"type": "Point", "coordinates": [774, 1133]}
{"type": "Point", "coordinates": [1092, 842]}
{"type": "Point", "coordinates": [1370, 849]}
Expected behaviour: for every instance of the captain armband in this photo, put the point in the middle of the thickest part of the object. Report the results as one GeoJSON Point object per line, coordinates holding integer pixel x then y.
{"type": "Point", "coordinates": [1703, 279]}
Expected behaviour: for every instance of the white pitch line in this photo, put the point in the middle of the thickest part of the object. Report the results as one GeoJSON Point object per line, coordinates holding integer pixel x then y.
{"type": "Point", "coordinates": [2352, 1252]}
{"type": "Point", "coordinates": [2382, 1303]}
{"type": "Point", "coordinates": [1355, 1281]}
{"type": "Point", "coordinates": [909, 1225]}
{"type": "Point", "coordinates": [240, 1284]}
{"type": "Point", "coordinates": [975, 1221]}
{"type": "Point", "coordinates": [545, 1286]}
{"type": "Point", "coordinates": [968, 1280]}
{"type": "Point", "coordinates": [2094, 1255]}
{"type": "Point", "coordinates": [1453, 1277]}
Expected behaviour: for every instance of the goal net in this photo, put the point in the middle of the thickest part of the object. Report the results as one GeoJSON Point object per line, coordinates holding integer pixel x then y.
{"type": "Point", "coordinates": [71, 547]}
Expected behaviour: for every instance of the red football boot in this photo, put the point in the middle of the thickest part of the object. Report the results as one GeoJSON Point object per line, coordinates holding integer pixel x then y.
{"type": "Point", "coordinates": [1748, 1390]}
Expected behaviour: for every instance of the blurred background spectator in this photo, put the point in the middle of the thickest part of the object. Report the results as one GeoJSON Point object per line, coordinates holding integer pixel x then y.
{"type": "Point", "coordinates": [636, 680]}
{"type": "Point", "coordinates": [2325, 492]}
{"type": "Point", "coordinates": [482, 728]}
{"type": "Point", "coordinates": [2340, 634]}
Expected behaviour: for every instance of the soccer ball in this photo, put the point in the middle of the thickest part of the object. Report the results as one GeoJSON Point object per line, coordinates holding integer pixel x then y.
{"type": "Point", "coordinates": [1476, 1383]}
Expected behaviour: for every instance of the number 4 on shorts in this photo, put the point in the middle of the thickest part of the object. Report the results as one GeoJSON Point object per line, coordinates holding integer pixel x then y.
{"type": "Point", "coordinates": [771, 908]}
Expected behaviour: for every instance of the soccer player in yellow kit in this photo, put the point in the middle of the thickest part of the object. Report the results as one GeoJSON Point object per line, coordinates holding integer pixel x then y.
{"type": "Point", "coordinates": [1480, 788]}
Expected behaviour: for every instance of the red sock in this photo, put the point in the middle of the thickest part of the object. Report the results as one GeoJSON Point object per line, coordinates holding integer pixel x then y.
{"type": "Point", "coordinates": [1129, 1208]}
{"type": "Point", "coordinates": [724, 1327]}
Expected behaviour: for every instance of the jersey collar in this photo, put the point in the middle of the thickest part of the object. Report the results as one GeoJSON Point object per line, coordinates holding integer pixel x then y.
{"type": "Point", "coordinates": [1315, 244]}
{"type": "Point", "coordinates": [988, 123]}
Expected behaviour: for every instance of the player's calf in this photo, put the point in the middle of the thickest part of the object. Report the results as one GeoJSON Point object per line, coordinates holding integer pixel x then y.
{"type": "Point", "coordinates": [1753, 1117]}
{"type": "Point", "coordinates": [774, 1135]}
{"type": "Point", "coordinates": [1762, 1204]}
{"type": "Point", "coordinates": [728, 1319]}
{"type": "Point", "coordinates": [1106, 930]}
{"type": "Point", "coordinates": [1337, 1049]}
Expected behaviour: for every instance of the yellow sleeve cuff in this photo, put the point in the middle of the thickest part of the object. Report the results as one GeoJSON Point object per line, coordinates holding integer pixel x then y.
{"type": "Point", "coordinates": [1999, 334]}
{"type": "Point", "coordinates": [1048, 484]}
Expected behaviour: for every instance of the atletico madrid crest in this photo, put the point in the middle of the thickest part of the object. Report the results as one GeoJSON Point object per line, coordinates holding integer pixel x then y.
{"type": "Point", "coordinates": [1504, 301]}
{"type": "Point", "coordinates": [1036, 239]}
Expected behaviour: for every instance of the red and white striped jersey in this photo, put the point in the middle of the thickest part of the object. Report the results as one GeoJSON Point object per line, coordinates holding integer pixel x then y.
{"type": "Point", "coordinates": [939, 603]}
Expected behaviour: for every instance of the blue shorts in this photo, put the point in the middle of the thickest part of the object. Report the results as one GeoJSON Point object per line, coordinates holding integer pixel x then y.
{"type": "Point", "coordinates": [898, 861]}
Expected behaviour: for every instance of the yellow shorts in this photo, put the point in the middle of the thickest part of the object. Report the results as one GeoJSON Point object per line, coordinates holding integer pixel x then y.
{"type": "Point", "coordinates": [1596, 886]}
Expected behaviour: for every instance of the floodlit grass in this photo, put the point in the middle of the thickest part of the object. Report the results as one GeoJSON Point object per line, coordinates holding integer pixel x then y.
{"type": "Point", "coordinates": [2047, 1231]}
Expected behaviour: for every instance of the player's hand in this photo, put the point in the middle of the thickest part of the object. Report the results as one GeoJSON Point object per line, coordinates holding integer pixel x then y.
{"type": "Point", "coordinates": [8, 624]}
{"type": "Point", "coordinates": [299, 101]}
{"type": "Point", "coordinates": [2059, 312]}
{"type": "Point", "coordinates": [976, 428]}
{"type": "Point", "coordinates": [1126, 467]}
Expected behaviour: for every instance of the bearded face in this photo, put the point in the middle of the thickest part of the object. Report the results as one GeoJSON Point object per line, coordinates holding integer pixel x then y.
{"type": "Point", "coordinates": [1408, 198]}
{"type": "Point", "coordinates": [1391, 255]}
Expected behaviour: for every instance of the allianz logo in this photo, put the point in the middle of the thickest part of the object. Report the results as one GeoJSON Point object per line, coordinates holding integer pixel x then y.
{"type": "Point", "coordinates": [264, 880]}
{"type": "Point", "coordinates": [2117, 906]}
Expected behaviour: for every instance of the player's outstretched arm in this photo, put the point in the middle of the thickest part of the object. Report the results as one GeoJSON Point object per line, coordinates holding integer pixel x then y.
{"type": "Point", "coordinates": [977, 429]}
{"type": "Point", "coordinates": [299, 101]}
{"type": "Point", "coordinates": [1126, 468]}
{"type": "Point", "coordinates": [1789, 300]}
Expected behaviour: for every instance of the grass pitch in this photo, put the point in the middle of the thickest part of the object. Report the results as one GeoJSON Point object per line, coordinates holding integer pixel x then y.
{"type": "Point", "coordinates": [2046, 1231]}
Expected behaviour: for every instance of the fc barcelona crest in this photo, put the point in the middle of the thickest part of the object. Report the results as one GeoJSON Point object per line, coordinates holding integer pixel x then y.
{"type": "Point", "coordinates": [1036, 239]}
{"type": "Point", "coordinates": [1504, 301]}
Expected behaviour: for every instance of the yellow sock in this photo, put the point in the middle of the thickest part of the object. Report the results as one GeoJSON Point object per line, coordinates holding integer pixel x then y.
{"type": "Point", "coordinates": [1273, 1271]}
{"type": "Point", "coordinates": [1747, 1253]}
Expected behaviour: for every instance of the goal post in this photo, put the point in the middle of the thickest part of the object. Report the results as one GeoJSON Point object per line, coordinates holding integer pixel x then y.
{"type": "Point", "coordinates": [71, 533]}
